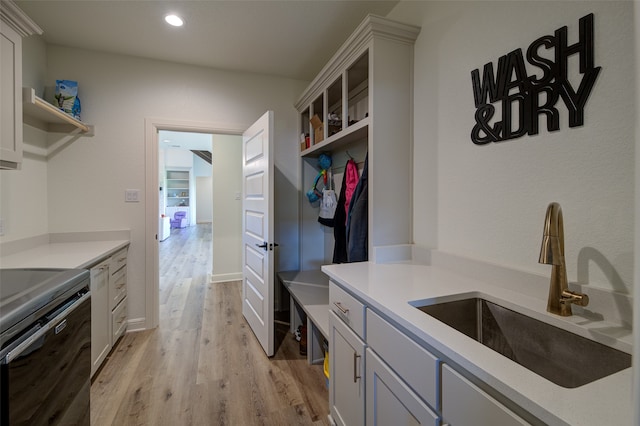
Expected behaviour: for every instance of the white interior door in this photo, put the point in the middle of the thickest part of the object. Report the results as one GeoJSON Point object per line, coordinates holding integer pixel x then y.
{"type": "Point", "coordinates": [257, 230]}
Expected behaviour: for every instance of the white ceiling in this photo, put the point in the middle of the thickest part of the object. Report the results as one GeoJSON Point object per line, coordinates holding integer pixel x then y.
{"type": "Point", "coordinates": [290, 38]}
{"type": "Point", "coordinates": [184, 140]}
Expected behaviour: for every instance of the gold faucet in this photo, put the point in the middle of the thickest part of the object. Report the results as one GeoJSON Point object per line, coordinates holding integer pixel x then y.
{"type": "Point", "coordinates": [552, 253]}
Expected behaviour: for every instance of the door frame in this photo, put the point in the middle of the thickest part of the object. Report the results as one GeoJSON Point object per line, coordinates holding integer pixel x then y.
{"type": "Point", "coordinates": [152, 278]}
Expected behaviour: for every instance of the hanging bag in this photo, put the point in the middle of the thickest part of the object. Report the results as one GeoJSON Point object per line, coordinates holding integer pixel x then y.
{"type": "Point", "coordinates": [329, 202]}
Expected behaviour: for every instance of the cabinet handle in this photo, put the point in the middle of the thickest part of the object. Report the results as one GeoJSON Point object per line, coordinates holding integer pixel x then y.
{"type": "Point", "coordinates": [343, 310]}
{"type": "Point", "coordinates": [355, 367]}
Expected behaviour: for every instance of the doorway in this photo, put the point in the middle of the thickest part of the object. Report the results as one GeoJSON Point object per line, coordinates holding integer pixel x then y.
{"type": "Point", "coordinates": [185, 173]}
{"type": "Point", "coordinates": [153, 129]}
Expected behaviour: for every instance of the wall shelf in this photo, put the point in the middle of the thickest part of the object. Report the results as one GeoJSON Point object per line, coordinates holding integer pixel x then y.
{"type": "Point", "coordinates": [40, 113]}
{"type": "Point", "coordinates": [340, 140]}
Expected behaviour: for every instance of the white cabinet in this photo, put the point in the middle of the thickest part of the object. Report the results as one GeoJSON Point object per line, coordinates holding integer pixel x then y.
{"type": "Point", "coordinates": [118, 294]}
{"type": "Point", "coordinates": [405, 381]}
{"type": "Point", "coordinates": [14, 25]}
{"type": "Point", "coordinates": [118, 321]}
{"type": "Point", "coordinates": [416, 366]}
{"type": "Point", "coordinates": [465, 404]}
{"type": "Point", "coordinates": [346, 357]}
{"type": "Point", "coordinates": [346, 372]}
{"type": "Point", "coordinates": [100, 315]}
{"type": "Point", "coordinates": [108, 305]}
{"type": "Point", "coordinates": [362, 99]}
{"type": "Point", "coordinates": [349, 309]}
{"type": "Point", "coordinates": [390, 401]}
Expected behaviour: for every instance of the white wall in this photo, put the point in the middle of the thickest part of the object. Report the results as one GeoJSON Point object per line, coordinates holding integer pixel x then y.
{"type": "Point", "coordinates": [204, 188]}
{"type": "Point", "coordinates": [227, 209]}
{"type": "Point", "coordinates": [488, 202]}
{"type": "Point", "coordinates": [81, 188]}
{"type": "Point", "coordinates": [201, 168]}
{"type": "Point", "coordinates": [204, 199]}
{"type": "Point", "coordinates": [23, 196]}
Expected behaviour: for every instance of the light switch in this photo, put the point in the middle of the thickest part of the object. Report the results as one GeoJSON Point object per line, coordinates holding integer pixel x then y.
{"type": "Point", "coordinates": [1, 227]}
{"type": "Point", "coordinates": [132, 195]}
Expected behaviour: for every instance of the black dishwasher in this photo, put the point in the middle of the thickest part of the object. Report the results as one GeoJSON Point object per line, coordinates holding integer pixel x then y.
{"type": "Point", "coordinates": [45, 347]}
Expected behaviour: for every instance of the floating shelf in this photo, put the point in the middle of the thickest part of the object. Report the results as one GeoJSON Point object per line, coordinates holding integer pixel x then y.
{"type": "Point", "coordinates": [54, 119]}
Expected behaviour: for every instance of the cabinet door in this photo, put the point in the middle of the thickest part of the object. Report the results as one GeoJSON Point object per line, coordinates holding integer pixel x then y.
{"type": "Point", "coordinates": [465, 404]}
{"type": "Point", "coordinates": [100, 315]}
{"type": "Point", "coordinates": [11, 99]}
{"type": "Point", "coordinates": [418, 367]}
{"type": "Point", "coordinates": [346, 365]}
{"type": "Point", "coordinates": [390, 401]}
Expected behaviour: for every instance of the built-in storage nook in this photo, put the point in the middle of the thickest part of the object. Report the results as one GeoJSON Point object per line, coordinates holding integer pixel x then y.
{"type": "Point", "coordinates": [360, 107]}
{"type": "Point", "coordinates": [178, 196]}
{"type": "Point", "coordinates": [177, 188]}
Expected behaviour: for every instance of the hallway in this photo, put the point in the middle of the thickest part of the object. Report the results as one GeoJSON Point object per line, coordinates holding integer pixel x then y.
{"type": "Point", "coordinates": [203, 365]}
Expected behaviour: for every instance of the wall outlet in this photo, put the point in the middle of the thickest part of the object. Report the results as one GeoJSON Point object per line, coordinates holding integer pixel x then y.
{"type": "Point", "coordinates": [131, 195]}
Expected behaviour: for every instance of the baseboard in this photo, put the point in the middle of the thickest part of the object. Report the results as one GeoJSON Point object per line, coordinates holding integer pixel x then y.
{"type": "Point", "coordinates": [221, 278]}
{"type": "Point", "coordinates": [136, 324]}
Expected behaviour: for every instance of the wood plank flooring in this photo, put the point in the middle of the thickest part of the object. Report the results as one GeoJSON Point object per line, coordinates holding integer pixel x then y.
{"type": "Point", "coordinates": [203, 365]}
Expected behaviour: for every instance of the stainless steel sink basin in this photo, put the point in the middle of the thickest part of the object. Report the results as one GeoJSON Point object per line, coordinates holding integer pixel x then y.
{"type": "Point", "coordinates": [560, 356]}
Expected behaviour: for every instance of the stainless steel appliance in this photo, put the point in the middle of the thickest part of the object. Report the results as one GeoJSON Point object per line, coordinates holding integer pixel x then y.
{"type": "Point", "coordinates": [45, 347]}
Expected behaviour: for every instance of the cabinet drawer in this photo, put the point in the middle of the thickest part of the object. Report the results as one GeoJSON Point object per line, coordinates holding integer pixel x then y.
{"type": "Point", "coordinates": [117, 287]}
{"type": "Point", "coordinates": [118, 260]}
{"type": "Point", "coordinates": [119, 321]}
{"type": "Point", "coordinates": [465, 404]}
{"type": "Point", "coordinates": [414, 364]}
{"type": "Point", "coordinates": [347, 307]}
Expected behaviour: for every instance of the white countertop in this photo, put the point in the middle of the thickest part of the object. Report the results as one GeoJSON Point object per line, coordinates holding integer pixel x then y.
{"type": "Point", "coordinates": [63, 255]}
{"type": "Point", "coordinates": [388, 288]}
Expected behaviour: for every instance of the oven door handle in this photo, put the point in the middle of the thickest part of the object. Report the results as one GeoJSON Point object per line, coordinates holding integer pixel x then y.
{"type": "Point", "coordinates": [13, 352]}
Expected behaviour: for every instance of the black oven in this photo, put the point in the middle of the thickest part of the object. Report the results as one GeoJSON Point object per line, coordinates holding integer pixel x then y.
{"type": "Point", "coordinates": [45, 357]}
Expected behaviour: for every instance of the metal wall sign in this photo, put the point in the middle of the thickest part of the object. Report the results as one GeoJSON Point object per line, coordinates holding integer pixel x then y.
{"type": "Point", "coordinates": [510, 102]}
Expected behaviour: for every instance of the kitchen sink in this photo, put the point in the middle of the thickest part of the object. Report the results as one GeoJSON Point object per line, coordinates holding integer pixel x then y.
{"type": "Point", "coordinates": [559, 356]}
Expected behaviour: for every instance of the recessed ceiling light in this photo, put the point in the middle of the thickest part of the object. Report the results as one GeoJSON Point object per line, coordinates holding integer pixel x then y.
{"type": "Point", "coordinates": [174, 20]}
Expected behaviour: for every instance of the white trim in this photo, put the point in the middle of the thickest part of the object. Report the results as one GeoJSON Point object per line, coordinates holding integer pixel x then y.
{"type": "Point", "coordinates": [223, 278]}
{"type": "Point", "coordinates": [18, 20]}
{"type": "Point", "coordinates": [353, 47]}
{"type": "Point", "coordinates": [152, 127]}
{"type": "Point", "coordinates": [136, 324]}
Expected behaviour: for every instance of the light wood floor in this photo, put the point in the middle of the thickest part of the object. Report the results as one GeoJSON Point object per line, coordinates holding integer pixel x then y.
{"type": "Point", "coordinates": [203, 365]}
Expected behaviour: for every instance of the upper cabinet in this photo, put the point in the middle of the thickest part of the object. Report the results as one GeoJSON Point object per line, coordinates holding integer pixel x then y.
{"type": "Point", "coordinates": [361, 104]}
{"type": "Point", "coordinates": [14, 25]}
